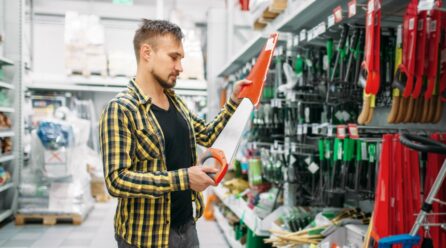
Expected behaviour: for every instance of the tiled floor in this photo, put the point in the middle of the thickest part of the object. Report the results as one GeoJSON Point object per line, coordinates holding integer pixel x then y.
{"type": "Point", "coordinates": [96, 231]}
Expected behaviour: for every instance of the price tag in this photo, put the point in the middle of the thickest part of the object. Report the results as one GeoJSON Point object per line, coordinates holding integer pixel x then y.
{"type": "Point", "coordinates": [420, 24]}
{"type": "Point", "coordinates": [303, 35]}
{"type": "Point", "coordinates": [353, 131]}
{"type": "Point", "coordinates": [341, 132]}
{"type": "Point", "coordinates": [276, 144]}
{"type": "Point", "coordinates": [305, 128]}
{"type": "Point", "coordinates": [337, 12]}
{"type": "Point", "coordinates": [330, 21]}
{"type": "Point", "coordinates": [314, 128]}
{"type": "Point", "coordinates": [351, 8]}
{"type": "Point", "coordinates": [313, 167]}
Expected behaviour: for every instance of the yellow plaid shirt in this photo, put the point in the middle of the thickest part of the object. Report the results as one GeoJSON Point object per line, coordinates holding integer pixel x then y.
{"type": "Point", "coordinates": [132, 147]}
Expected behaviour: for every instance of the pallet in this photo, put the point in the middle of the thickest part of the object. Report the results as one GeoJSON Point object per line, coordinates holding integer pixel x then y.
{"type": "Point", "coordinates": [102, 198]}
{"type": "Point", "coordinates": [48, 219]}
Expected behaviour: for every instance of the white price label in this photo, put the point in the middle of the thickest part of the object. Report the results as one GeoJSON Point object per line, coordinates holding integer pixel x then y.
{"type": "Point", "coordinates": [308, 160]}
{"type": "Point", "coordinates": [351, 8]}
{"type": "Point", "coordinates": [353, 131]}
{"type": "Point", "coordinates": [340, 131]}
{"type": "Point", "coordinates": [305, 128]}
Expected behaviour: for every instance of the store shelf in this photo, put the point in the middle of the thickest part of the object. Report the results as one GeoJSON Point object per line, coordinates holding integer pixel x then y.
{"type": "Point", "coordinates": [7, 133]}
{"type": "Point", "coordinates": [5, 61]}
{"type": "Point", "coordinates": [6, 187]}
{"type": "Point", "coordinates": [6, 110]}
{"type": "Point", "coordinates": [244, 55]}
{"type": "Point", "coordinates": [228, 231]}
{"type": "Point", "coordinates": [6, 158]}
{"type": "Point", "coordinates": [307, 14]}
{"type": "Point", "coordinates": [237, 205]}
{"type": "Point", "coordinates": [6, 85]}
{"type": "Point", "coordinates": [104, 84]}
{"type": "Point", "coordinates": [4, 214]}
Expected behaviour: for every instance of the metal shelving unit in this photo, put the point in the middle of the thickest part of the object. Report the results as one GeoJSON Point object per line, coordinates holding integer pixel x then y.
{"type": "Point", "coordinates": [11, 62]}
{"type": "Point", "coordinates": [4, 214]}
{"type": "Point", "coordinates": [240, 208]}
{"type": "Point", "coordinates": [104, 84]}
{"type": "Point", "coordinates": [300, 19]}
{"type": "Point", "coordinates": [6, 158]}
{"type": "Point", "coordinates": [305, 15]}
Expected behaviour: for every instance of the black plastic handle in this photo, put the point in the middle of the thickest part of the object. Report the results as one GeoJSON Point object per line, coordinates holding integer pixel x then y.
{"type": "Point", "coordinates": [423, 144]}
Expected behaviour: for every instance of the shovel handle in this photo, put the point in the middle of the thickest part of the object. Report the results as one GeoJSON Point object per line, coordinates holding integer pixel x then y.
{"type": "Point", "coordinates": [394, 110]}
{"type": "Point", "coordinates": [401, 109]}
{"type": "Point", "coordinates": [218, 155]}
{"type": "Point", "coordinates": [423, 144]}
{"type": "Point", "coordinates": [364, 115]}
{"type": "Point", "coordinates": [410, 109]}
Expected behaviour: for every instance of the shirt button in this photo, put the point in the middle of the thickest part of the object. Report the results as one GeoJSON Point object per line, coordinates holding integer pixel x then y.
{"type": "Point", "coordinates": [167, 222]}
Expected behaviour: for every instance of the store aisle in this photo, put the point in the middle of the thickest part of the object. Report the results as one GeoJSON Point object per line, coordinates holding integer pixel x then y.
{"type": "Point", "coordinates": [96, 231]}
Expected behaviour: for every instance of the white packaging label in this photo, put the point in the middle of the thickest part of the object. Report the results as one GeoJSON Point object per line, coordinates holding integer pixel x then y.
{"type": "Point", "coordinates": [313, 167]}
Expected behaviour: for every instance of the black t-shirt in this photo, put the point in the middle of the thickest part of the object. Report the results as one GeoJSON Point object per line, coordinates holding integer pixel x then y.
{"type": "Point", "coordinates": [178, 155]}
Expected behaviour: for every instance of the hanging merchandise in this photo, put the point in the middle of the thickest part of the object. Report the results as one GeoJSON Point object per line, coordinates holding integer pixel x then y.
{"type": "Point", "coordinates": [370, 76]}
{"type": "Point", "coordinates": [434, 180]}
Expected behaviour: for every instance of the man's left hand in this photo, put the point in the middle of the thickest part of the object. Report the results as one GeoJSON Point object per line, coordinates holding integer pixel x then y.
{"type": "Point", "coordinates": [237, 88]}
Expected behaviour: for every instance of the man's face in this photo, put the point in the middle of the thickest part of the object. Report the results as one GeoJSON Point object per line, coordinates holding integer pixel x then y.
{"type": "Point", "coordinates": [165, 60]}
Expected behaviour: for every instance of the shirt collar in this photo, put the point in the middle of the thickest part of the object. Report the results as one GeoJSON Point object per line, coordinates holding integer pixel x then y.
{"type": "Point", "coordinates": [143, 99]}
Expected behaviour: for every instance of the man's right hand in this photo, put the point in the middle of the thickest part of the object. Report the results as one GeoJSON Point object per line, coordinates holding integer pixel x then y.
{"type": "Point", "coordinates": [198, 179]}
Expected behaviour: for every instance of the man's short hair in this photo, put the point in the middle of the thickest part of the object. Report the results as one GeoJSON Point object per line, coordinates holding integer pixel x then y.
{"type": "Point", "coordinates": [149, 30]}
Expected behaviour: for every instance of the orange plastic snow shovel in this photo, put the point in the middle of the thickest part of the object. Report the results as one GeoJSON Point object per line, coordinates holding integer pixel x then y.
{"type": "Point", "coordinates": [226, 144]}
